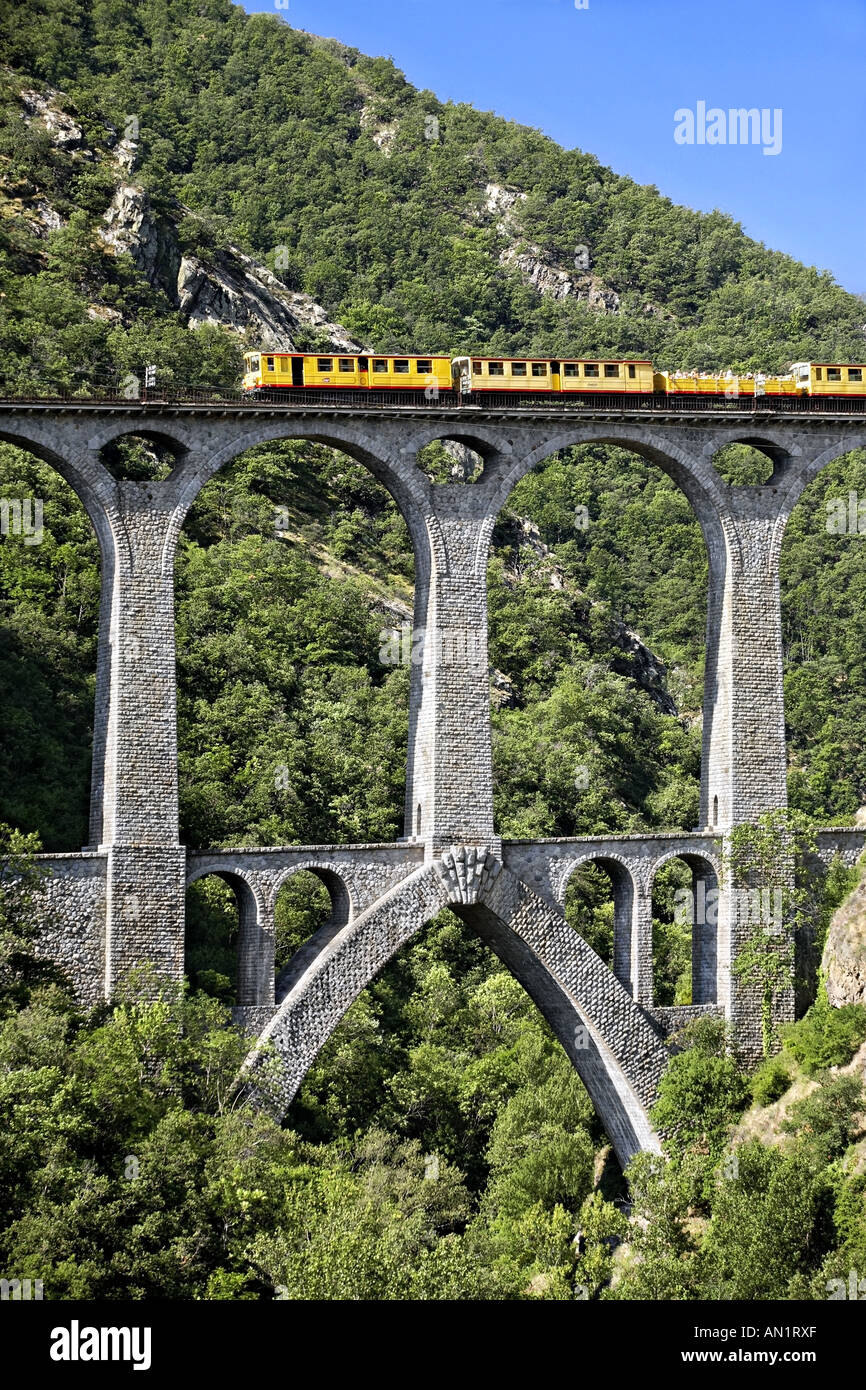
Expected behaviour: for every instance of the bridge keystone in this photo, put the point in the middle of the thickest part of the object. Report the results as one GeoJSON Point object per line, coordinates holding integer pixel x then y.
{"type": "Point", "coordinates": [468, 871]}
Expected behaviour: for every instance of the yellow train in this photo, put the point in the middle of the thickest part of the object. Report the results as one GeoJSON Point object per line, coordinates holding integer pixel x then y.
{"type": "Point", "coordinates": [272, 374]}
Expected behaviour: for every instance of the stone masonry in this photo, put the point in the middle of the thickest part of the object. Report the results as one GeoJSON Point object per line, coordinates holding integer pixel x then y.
{"type": "Point", "coordinates": [120, 903]}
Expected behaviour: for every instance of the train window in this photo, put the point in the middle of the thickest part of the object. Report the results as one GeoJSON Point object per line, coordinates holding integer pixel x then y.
{"type": "Point", "coordinates": [346, 364]}
{"type": "Point", "coordinates": [855, 373]}
{"type": "Point", "coordinates": [518, 369]}
{"type": "Point", "coordinates": [817, 373]}
{"type": "Point", "coordinates": [631, 371]}
{"type": "Point", "coordinates": [380, 364]}
{"type": "Point", "coordinates": [424, 364]}
{"type": "Point", "coordinates": [269, 363]}
{"type": "Point", "coordinates": [326, 364]}
{"type": "Point", "coordinates": [834, 374]}
{"type": "Point", "coordinates": [254, 361]}
{"type": "Point", "coordinates": [570, 369]}
{"type": "Point", "coordinates": [539, 369]}
{"type": "Point", "coordinates": [495, 369]}
{"type": "Point", "coordinates": [477, 367]}
{"type": "Point", "coordinates": [284, 364]}
{"type": "Point", "coordinates": [590, 369]}
{"type": "Point", "coordinates": [611, 369]}
{"type": "Point", "coordinates": [401, 364]}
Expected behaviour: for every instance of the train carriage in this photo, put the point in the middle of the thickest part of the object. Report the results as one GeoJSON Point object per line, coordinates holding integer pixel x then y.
{"type": "Point", "coordinates": [481, 375]}
{"type": "Point", "coordinates": [283, 371]}
{"type": "Point", "coordinates": [830, 379]}
{"type": "Point", "coordinates": [609, 377]}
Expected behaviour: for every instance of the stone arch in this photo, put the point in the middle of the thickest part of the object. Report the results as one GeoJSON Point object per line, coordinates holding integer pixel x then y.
{"type": "Point", "coordinates": [161, 440]}
{"type": "Point", "coordinates": [692, 472]}
{"type": "Point", "coordinates": [342, 901]}
{"type": "Point", "coordinates": [798, 479]}
{"type": "Point", "coordinates": [342, 912]}
{"type": "Point", "coordinates": [777, 448]}
{"type": "Point", "coordinates": [625, 890]}
{"type": "Point", "coordinates": [695, 478]}
{"type": "Point", "coordinates": [195, 472]}
{"type": "Point", "coordinates": [400, 477]}
{"type": "Point", "coordinates": [405, 483]}
{"type": "Point", "coordinates": [255, 944]}
{"type": "Point", "coordinates": [87, 477]}
{"type": "Point", "coordinates": [611, 1042]}
{"type": "Point", "coordinates": [482, 444]}
{"type": "Point", "coordinates": [705, 913]}
{"type": "Point", "coordinates": [179, 439]}
{"type": "Point", "coordinates": [688, 469]}
{"type": "Point", "coordinates": [821, 541]}
{"type": "Point", "coordinates": [482, 439]}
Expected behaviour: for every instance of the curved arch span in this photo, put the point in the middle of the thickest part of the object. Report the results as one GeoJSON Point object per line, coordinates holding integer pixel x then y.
{"type": "Point", "coordinates": [611, 1042]}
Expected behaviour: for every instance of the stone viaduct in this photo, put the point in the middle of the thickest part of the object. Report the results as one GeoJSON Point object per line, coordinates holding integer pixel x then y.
{"type": "Point", "coordinates": [119, 902]}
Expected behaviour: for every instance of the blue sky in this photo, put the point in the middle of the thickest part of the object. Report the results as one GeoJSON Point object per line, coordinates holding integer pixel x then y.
{"type": "Point", "coordinates": [609, 78]}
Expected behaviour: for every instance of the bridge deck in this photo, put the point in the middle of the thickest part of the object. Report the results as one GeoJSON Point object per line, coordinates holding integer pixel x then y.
{"type": "Point", "coordinates": [380, 404]}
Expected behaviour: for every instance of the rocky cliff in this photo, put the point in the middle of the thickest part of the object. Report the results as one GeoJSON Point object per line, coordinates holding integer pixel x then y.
{"type": "Point", "coordinates": [225, 286]}
{"type": "Point", "coordinates": [844, 959]}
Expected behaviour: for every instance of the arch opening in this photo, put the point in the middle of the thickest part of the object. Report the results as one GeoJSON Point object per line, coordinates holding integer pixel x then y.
{"type": "Point", "coordinates": [685, 912]}
{"type": "Point", "coordinates": [212, 928]}
{"type": "Point", "coordinates": [597, 592]}
{"type": "Point", "coordinates": [410, 1057]}
{"type": "Point", "coordinates": [294, 591]}
{"type": "Point", "coordinates": [141, 456]}
{"type": "Point", "coordinates": [748, 463]}
{"type": "Point", "coordinates": [448, 460]}
{"type": "Point", "coordinates": [310, 907]}
{"type": "Point", "coordinates": [50, 581]}
{"type": "Point", "coordinates": [599, 906]}
{"type": "Point", "coordinates": [823, 600]}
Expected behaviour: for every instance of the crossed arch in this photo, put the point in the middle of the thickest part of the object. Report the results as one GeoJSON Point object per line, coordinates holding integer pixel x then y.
{"type": "Point", "coordinates": [610, 1040]}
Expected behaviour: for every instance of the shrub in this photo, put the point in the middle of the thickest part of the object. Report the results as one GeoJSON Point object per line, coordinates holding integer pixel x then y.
{"type": "Point", "coordinates": [825, 1119]}
{"type": "Point", "coordinates": [770, 1081]}
{"type": "Point", "coordinates": [826, 1037]}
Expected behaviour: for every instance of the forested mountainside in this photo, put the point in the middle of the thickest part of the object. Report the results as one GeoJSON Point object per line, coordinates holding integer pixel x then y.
{"type": "Point", "coordinates": [180, 180]}
{"type": "Point", "coordinates": [416, 224]}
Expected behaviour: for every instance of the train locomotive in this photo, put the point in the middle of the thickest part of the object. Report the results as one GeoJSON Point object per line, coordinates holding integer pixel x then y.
{"type": "Point", "coordinates": [270, 375]}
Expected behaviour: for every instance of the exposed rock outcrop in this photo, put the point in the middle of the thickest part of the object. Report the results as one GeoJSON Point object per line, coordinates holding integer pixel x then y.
{"type": "Point", "coordinates": [844, 959]}
{"type": "Point", "coordinates": [380, 132]}
{"type": "Point", "coordinates": [537, 270]}
{"type": "Point", "coordinates": [534, 265]}
{"type": "Point", "coordinates": [500, 202]}
{"type": "Point", "coordinates": [240, 293]}
{"type": "Point", "coordinates": [229, 288]}
{"type": "Point", "coordinates": [130, 226]}
{"type": "Point", "coordinates": [225, 287]}
{"type": "Point", "coordinates": [45, 107]}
